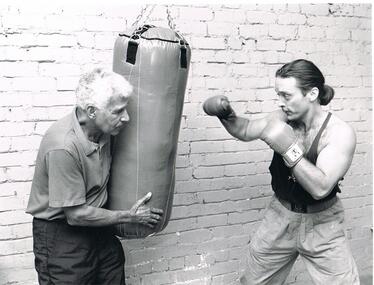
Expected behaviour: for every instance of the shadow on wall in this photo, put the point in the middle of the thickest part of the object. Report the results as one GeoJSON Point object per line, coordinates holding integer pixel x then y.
{"type": "Point", "coordinates": [366, 277]}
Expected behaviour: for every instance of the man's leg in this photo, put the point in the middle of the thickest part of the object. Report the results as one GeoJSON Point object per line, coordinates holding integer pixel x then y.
{"type": "Point", "coordinates": [325, 249]}
{"type": "Point", "coordinates": [272, 251]}
{"type": "Point", "coordinates": [39, 229]}
{"type": "Point", "coordinates": [111, 268]}
{"type": "Point", "coordinates": [63, 253]}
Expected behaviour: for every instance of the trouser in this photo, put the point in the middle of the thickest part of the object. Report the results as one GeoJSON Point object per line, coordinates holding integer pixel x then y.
{"type": "Point", "coordinates": [318, 238]}
{"type": "Point", "coordinates": [74, 255]}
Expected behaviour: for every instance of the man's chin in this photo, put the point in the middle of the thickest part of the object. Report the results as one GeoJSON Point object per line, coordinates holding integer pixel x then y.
{"type": "Point", "coordinates": [115, 132]}
{"type": "Point", "coordinates": [291, 116]}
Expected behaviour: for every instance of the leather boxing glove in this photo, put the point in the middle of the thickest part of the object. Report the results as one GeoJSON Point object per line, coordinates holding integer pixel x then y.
{"type": "Point", "coordinates": [282, 139]}
{"type": "Point", "coordinates": [218, 106]}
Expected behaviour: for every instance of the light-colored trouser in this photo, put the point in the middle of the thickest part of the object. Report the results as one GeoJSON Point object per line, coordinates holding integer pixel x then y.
{"type": "Point", "coordinates": [318, 237]}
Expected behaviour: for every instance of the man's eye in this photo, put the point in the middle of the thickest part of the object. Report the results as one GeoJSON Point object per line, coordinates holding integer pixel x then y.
{"type": "Point", "coordinates": [286, 96]}
{"type": "Point", "coordinates": [118, 111]}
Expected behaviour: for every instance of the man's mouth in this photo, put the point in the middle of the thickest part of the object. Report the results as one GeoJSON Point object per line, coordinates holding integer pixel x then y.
{"type": "Point", "coordinates": [120, 126]}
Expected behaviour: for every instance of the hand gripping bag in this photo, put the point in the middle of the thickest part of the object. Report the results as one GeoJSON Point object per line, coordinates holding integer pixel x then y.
{"type": "Point", "coordinates": [155, 61]}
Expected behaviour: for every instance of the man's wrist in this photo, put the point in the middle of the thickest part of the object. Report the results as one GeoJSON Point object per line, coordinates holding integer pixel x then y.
{"type": "Point", "coordinates": [293, 155]}
{"type": "Point", "coordinates": [227, 113]}
{"type": "Point", "coordinates": [123, 217]}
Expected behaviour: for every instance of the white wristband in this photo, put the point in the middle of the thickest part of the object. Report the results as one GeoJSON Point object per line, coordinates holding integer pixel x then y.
{"type": "Point", "coordinates": [293, 155]}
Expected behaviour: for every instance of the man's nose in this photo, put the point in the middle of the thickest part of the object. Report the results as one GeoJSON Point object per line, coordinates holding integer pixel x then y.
{"type": "Point", "coordinates": [281, 102]}
{"type": "Point", "coordinates": [125, 117]}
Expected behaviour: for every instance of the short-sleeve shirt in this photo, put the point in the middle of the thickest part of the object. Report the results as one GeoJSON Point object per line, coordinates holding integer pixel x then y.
{"type": "Point", "coordinates": [70, 170]}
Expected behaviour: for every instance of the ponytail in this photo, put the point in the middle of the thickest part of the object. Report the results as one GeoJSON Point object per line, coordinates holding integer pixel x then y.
{"type": "Point", "coordinates": [326, 95]}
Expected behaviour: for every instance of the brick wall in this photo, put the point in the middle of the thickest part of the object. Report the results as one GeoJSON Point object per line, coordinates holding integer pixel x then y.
{"type": "Point", "coordinates": [222, 184]}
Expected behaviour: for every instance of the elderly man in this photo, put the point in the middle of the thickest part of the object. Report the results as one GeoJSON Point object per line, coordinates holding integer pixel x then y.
{"type": "Point", "coordinates": [74, 241]}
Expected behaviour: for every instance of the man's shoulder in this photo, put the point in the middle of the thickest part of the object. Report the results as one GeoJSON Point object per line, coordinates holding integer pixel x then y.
{"type": "Point", "coordinates": [60, 135]}
{"type": "Point", "coordinates": [336, 124]}
{"type": "Point", "coordinates": [339, 130]}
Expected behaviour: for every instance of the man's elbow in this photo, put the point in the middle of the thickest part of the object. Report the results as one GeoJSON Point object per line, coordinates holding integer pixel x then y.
{"type": "Point", "coordinates": [73, 220]}
{"type": "Point", "coordinates": [322, 192]}
{"type": "Point", "coordinates": [74, 217]}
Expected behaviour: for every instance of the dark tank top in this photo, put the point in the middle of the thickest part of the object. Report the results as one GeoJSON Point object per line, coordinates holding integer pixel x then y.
{"type": "Point", "coordinates": [285, 186]}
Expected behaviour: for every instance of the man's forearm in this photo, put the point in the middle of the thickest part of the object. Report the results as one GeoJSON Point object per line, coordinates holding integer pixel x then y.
{"type": "Point", "coordinates": [312, 179]}
{"type": "Point", "coordinates": [96, 217]}
{"type": "Point", "coordinates": [236, 126]}
{"type": "Point", "coordinates": [243, 128]}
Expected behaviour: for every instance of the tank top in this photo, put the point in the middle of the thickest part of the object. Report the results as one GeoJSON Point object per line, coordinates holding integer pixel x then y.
{"type": "Point", "coordinates": [285, 186]}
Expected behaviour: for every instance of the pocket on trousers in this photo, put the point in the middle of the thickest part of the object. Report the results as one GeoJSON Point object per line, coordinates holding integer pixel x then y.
{"type": "Point", "coordinates": [39, 237]}
{"type": "Point", "coordinates": [75, 236]}
{"type": "Point", "coordinates": [44, 235]}
{"type": "Point", "coordinates": [328, 224]}
{"type": "Point", "coordinates": [271, 229]}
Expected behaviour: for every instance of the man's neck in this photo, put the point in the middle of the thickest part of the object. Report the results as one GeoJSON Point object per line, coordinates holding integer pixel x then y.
{"type": "Point", "coordinates": [88, 126]}
{"type": "Point", "coordinates": [313, 118]}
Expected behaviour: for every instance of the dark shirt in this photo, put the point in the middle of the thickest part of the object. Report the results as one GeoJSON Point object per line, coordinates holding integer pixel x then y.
{"type": "Point", "coordinates": [283, 183]}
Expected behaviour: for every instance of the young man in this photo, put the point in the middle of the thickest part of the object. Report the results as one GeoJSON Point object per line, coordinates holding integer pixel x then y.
{"type": "Point", "coordinates": [74, 242]}
{"type": "Point", "coordinates": [313, 150]}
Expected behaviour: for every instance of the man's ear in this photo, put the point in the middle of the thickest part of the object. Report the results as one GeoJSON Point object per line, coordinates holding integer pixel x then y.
{"type": "Point", "coordinates": [313, 94]}
{"type": "Point", "coordinates": [91, 111]}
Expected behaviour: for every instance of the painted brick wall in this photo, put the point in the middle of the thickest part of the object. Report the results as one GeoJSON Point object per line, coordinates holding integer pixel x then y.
{"type": "Point", "coordinates": [222, 184]}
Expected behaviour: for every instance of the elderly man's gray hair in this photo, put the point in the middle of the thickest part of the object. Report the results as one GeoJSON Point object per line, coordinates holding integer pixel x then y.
{"type": "Point", "coordinates": [96, 87]}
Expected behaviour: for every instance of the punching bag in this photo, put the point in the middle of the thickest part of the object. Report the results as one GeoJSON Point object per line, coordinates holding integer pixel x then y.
{"type": "Point", "coordinates": [156, 62]}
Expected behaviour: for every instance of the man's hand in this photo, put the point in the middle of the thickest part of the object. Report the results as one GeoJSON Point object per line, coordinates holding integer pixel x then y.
{"type": "Point", "coordinates": [282, 139]}
{"type": "Point", "coordinates": [218, 106]}
{"type": "Point", "coordinates": [142, 214]}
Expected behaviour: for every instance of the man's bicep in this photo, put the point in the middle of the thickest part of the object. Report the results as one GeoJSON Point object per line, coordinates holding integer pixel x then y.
{"type": "Point", "coordinates": [65, 180]}
{"type": "Point", "coordinates": [336, 158]}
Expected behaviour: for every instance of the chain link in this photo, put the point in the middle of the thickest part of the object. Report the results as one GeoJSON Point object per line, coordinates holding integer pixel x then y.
{"type": "Point", "coordinates": [138, 18]}
{"type": "Point", "coordinates": [150, 13]}
{"type": "Point", "coordinates": [142, 13]}
{"type": "Point", "coordinates": [170, 19]}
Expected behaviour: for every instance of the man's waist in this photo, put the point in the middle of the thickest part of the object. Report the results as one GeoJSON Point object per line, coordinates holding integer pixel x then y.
{"type": "Point", "coordinates": [57, 221]}
{"type": "Point", "coordinates": [96, 234]}
{"type": "Point", "coordinates": [305, 208]}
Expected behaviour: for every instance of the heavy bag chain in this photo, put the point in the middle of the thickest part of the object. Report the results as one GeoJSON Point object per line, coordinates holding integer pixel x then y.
{"type": "Point", "coordinates": [141, 14]}
{"type": "Point", "coordinates": [170, 19]}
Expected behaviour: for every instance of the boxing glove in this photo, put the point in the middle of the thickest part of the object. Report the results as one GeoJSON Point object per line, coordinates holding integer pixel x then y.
{"type": "Point", "coordinates": [218, 106]}
{"type": "Point", "coordinates": [282, 139]}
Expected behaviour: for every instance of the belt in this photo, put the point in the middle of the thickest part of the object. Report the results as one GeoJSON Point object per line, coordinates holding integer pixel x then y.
{"type": "Point", "coordinates": [318, 207]}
